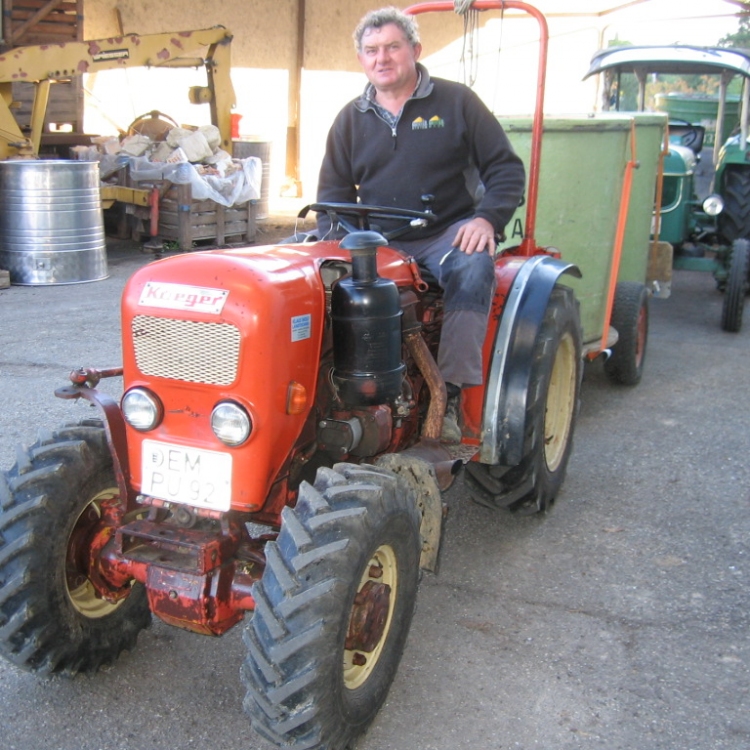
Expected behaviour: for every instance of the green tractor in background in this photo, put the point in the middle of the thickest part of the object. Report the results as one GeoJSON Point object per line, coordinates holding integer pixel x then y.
{"type": "Point", "coordinates": [703, 200]}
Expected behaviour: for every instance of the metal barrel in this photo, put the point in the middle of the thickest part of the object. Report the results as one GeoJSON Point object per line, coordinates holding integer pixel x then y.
{"type": "Point", "coordinates": [51, 223]}
{"type": "Point", "coordinates": [241, 149]}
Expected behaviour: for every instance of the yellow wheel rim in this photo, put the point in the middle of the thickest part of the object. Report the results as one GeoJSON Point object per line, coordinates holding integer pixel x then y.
{"type": "Point", "coordinates": [81, 591]}
{"type": "Point", "coordinates": [560, 406]}
{"type": "Point", "coordinates": [381, 570]}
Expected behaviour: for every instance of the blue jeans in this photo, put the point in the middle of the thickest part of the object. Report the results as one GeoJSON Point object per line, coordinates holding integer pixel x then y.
{"type": "Point", "coordinates": [468, 283]}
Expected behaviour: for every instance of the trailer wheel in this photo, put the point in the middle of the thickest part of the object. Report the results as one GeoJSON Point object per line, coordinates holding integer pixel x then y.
{"type": "Point", "coordinates": [552, 403]}
{"type": "Point", "coordinates": [630, 320]}
{"type": "Point", "coordinates": [734, 220]}
{"type": "Point", "coordinates": [333, 608]}
{"type": "Point", "coordinates": [51, 618]}
{"type": "Point", "coordinates": [737, 286]}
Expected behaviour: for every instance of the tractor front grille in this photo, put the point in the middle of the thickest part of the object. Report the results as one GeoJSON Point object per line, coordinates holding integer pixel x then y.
{"type": "Point", "coordinates": [186, 350]}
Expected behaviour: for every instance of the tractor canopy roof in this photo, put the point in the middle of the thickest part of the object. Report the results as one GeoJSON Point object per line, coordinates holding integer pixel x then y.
{"type": "Point", "coordinates": [672, 59]}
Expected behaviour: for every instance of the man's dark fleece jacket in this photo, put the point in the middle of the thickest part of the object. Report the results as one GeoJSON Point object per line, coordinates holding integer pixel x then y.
{"type": "Point", "coordinates": [446, 144]}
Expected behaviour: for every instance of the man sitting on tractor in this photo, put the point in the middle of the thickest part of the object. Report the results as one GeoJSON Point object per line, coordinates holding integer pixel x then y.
{"type": "Point", "coordinates": [422, 143]}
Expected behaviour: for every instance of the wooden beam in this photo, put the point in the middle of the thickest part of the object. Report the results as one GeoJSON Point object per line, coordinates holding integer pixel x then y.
{"type": "Point", "coordinates": [41, 14]}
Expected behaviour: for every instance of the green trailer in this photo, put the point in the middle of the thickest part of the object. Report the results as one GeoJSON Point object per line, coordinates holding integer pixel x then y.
{"type": "Point", "coordinates": [596, 193]}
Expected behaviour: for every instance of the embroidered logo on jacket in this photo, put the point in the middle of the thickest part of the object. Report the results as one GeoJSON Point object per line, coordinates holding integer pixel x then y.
{"type": "Point", "coordinates": [434, 122]}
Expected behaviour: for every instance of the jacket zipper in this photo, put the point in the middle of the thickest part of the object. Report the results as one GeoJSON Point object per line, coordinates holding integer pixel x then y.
{"type": "Point", "coordinates": [393, 128]}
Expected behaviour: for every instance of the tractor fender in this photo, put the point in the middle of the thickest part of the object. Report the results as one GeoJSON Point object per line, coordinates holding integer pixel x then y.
{"type": "Point", "coordinates": [509, 373]}
{"type": "Point", "coordinates": [113, 422]}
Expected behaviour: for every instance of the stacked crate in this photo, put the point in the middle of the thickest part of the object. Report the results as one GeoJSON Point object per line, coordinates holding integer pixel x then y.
{"type": "Point", "coordinates": [195, 223]}
{"type": "Point", "coordinates": [189, 221]}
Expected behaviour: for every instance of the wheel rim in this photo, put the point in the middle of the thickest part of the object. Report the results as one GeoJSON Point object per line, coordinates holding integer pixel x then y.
{"type": "Point", "coordinates": [560, 405]}
{"type": "Point", "coordinates": [371, 617]}
{"type": "Point", "coordinates": [81, 591]}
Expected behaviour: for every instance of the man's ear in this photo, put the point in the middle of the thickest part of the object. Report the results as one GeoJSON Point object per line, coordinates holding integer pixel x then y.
{"type": "Point", "coordinates": [417, 50]}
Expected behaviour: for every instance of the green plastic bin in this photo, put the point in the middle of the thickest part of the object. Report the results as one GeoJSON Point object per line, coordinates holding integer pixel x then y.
{"type": "Point", "coordinates": [650, 132]}
{"type": "Point", "coordinates": [580, 189]}
{"type": "Point", "coordinates": [699, 109]}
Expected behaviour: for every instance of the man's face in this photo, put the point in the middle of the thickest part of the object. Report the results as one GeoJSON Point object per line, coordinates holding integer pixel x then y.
{"type": "Point", "coordinates": [388, 59]}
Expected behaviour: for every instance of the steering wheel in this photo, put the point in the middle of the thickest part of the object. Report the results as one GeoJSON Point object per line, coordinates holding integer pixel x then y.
{"type": "Point", "coordinates": [693, 135]}
{"type": "Point", "coordinates": [156, 125]}
{"type": "Point", "coordinates": [356, 217]}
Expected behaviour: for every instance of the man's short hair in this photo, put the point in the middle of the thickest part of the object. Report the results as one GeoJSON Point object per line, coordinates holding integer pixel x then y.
{"type": "Point", "coordinates": [376, 19]}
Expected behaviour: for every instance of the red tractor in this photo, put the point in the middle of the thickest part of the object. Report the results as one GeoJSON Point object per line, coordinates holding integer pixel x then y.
{"type": "Point", "coordinates": [276, 453]}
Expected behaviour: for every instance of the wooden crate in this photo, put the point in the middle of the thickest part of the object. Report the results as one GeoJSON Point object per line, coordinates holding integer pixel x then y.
{"type": "Point", "coordinates": [29, 22]}
{"type": "Point", "coordinates": [189, 222]}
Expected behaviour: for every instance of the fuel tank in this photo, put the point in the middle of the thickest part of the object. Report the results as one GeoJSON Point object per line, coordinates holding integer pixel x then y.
{"type": "Point", "coordinates": [366, 314]}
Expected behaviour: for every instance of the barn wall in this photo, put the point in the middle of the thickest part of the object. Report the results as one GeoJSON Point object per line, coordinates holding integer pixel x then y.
{"type": "Point", "coordinates": [264, 30]}
{"type": "Point", "coordinates": [264, 60]}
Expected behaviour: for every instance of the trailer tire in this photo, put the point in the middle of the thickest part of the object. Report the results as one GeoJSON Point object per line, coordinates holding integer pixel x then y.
{"type": "Point", "coordinates": [734, 220]}
{"type": "Point", "coordinates": [310, 683]}
{"type": "Point", "coordinates": [51, 620]}
{"type": "Point", "coordinates": [736, 288]}
{"type": "Point", "coordinates": [552, 403]}
{"type": "Point", "coordinates": [630, 318]}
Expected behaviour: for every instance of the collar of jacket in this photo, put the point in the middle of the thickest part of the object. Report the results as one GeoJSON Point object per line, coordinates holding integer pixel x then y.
{"type": "Point", "coordinates": [424, 88]}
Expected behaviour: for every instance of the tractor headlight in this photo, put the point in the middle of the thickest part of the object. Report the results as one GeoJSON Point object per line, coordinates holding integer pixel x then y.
{"type": "Point", "coordinates": [142, 409]}
{"type": "Point", "coordinates": [713, 205]}
{"type": "Point", "coordinates": [231, 423]}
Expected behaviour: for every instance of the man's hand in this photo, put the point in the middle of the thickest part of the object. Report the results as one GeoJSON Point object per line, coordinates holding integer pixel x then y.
{"type": "Point", "coordinates": [475, 236]}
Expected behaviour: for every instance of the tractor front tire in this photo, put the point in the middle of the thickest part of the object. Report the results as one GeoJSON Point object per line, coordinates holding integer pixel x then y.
{"type": "Point", "coordinates": [734, 220]}
{"type": "Point", "coordinates": [736, 288]}
{"type": "Point", "coordinates": [333, 609]}
{"type": "Point", "coordinates": [552, 403]}
{"type": "Point", "coordinates": [630, 320]}
{"type": "Point", "coordinates": [51, 618]}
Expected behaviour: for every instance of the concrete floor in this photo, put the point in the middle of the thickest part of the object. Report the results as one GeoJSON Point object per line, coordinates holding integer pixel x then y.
{"type": "Point", "coordinates": [619, 620]}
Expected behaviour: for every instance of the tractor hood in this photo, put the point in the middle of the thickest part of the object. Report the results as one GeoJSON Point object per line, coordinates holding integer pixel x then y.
{"type": "Point", "coordinates": [244, 326]}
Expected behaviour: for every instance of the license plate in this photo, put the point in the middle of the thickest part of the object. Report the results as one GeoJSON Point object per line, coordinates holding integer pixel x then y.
{"type": "Point", "coordinates": [187, 475]}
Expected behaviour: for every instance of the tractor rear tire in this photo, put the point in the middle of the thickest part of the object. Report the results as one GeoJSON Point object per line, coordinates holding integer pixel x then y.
{"type": "Point", "coordinates": [552, 404]}
{"type": "Point", "coordinates": [630, 319]}
{"type": "Point", "coordinates": [347, 553]}
{"type": "Point", "coordinates": [737, 286]}
{"type": "Point", "coordinates": [734, 220]}
{"type": "Point", "coordinates": [51, 619]}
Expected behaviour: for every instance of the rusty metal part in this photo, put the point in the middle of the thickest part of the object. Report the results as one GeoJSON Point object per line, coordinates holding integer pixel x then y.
{"type": "Point", "coordinates": [369, 617]}
{"type": "Point", "coordinates": [89, 535]}
{"type": "Point", "coordinates": [91, 376]}
{"type": "Point", "coordinates": [419, 283]}
{"type": "Point", "coordinates": [411, 333]}
{"type": "Point", "coordinates": [433, 423]}
{"type": "Point", "coordinates": [199, 579]}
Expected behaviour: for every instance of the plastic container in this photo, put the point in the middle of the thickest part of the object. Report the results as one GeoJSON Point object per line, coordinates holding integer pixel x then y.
{"type": "Point", "coordinates": [245, 147]}
{"type": "Point", "coordinates": [583, 161]}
